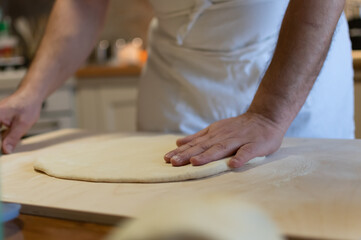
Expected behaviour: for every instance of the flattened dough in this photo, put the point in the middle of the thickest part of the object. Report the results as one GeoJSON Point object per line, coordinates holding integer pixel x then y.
{"type": "Point", "coordinates": [210, 217]}
{"type": "Point", "coordinates": [125, 159]}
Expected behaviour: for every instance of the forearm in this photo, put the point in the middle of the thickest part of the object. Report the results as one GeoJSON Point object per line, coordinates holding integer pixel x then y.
{"type": "Point", "coordinates": [302, 47]}
{"type": "Point", "coordinates": [70, 35]}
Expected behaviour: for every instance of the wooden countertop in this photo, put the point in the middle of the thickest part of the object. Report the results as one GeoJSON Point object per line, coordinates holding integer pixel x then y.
{"type": "Point", "coordinates": [31, 227]}
{"type": "Point", "coordinates": [96, 71]}
{"type": "Point", "coordinates": [315, 191]}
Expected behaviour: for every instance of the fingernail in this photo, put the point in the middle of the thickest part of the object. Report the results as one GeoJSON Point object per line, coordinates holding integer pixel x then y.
{"type": "Point", "coordinates": [175, 158]}
{"type": "Point", "coordinates": [167, 155]}
{"type": "Point", "coordinates": [9, 148]}
{"type": "Point", "coordinates": [233, 163]}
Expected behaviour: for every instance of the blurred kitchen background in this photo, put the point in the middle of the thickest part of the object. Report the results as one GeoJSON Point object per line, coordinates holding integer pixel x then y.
{"type": "Point", "coordinates": [102, 94]}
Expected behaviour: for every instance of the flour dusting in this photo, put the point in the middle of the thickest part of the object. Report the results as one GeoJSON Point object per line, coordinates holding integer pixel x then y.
{"type": "Point", "coordinates": [292, 167]}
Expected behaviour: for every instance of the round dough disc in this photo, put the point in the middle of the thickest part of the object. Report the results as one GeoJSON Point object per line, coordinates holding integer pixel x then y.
{"type": "Point", "coordinates": [122, 159]}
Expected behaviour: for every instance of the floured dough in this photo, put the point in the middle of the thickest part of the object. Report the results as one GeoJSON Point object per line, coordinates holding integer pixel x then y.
{"type": "Point", "coordinates": [198, 218]}
{"type": "Point", "coordinates": [125, 159]}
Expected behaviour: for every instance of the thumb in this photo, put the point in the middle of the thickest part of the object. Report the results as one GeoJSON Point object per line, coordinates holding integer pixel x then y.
{"type": "Point", "coordinates": [243, 155]}
{"type": "Point", "coordinates": [12, 135]}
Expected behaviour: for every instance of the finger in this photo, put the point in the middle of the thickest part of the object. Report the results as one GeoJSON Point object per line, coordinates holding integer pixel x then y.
{"type": "Point", "coordinates": [217, 151]}
{"type": "Point", "coordinates": [190, 138]}
{"type": "Point", "coordinates": [195, 142]}
{"type": "Point", "coordinates": [4, 133]}
{"type": "Point", "coordinates": [5, 130]}
{"type": "Point", "coordinates": [184, 157]}
{"type": "Point", "coordinates": [5, 118]}
{"type": "Point", "coordinates": [243, 155]}
{"type": "Point", "coordinates": [13, 135]}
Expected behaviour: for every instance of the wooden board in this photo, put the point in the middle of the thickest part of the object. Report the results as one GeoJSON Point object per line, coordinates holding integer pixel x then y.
{"type": "Point", "coordinates": [310, 187]}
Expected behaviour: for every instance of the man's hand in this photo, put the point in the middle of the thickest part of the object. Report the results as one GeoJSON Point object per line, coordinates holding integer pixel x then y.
{"type": "Point", "coordinates": [61, 52]}
{"type": "Point", "coordinates": [18, 113]}
{"type": "Point", "coordinates": [247, 136]}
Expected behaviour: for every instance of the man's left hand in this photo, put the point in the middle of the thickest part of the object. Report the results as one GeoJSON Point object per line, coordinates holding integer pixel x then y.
{"type": "Point", "coordinates": [246, 137]}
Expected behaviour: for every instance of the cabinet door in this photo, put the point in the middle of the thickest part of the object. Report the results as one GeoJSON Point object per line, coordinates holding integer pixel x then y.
{"type": "Point", "coordinates": [118, 107]}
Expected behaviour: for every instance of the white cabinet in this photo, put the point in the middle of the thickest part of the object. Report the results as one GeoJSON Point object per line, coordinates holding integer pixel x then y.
{"type": "Point", "coordinates": [107, 104]}
{"type": "Point", "coordinates": [119, 108]}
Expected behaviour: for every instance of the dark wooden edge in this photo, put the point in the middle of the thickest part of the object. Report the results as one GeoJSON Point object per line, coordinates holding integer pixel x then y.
{"type": "Point", "coordinates": [73, 215]}
{"type": "Point", "coordinates": [108, 71]}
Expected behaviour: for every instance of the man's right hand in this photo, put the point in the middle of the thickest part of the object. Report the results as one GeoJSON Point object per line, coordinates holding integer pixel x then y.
{"type": "Point", "coordinates": [60, 54]}
{"type": "Point", "coordinates": [18, 113]}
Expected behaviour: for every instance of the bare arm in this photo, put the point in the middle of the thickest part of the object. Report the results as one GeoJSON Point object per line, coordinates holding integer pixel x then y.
{"type": "Point", "coordinates": [70, 35]}
{"type": "Point", "coordinates": [303, 44]}
{"type": "Point", "coordinates": [302, 47]}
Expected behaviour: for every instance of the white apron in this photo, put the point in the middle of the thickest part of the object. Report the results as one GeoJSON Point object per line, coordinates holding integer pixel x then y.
{"type": "Point", "coordinates": [206, 60]}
